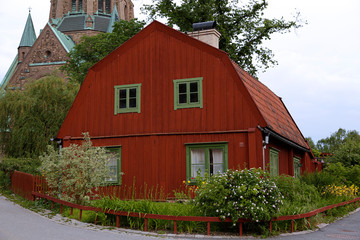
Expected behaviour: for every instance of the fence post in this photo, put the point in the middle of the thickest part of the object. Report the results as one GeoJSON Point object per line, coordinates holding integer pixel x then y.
{"type": "Point", "coordinates": [270, 226]}
{"type": "Point", "coordinates": [175, 227]}
{"type": "Point", "coordinates": [146, 223]}
{"type": "Point", "coordinates": [208, 228]}
{"type": "Point", "coordinates": [240, 229]}
{"type": "Point", "coordinates": [292, 225]}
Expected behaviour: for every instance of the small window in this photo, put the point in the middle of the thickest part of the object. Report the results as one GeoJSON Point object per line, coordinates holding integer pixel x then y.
{"type": "Point", "coordinates": [114, 164]}
{"type": "Point", "coordinates": [209, 158]}
{"type": "Point", "coordinates": [127, 98]}
{"type": "Point", "coordinates": [101, 6]}
{"type": "Point", "coordinates": [188, 93]}
{"type": "Point", "coordinates": [274, 162]}
{"type": "Point", "coordinates": [297, 166]}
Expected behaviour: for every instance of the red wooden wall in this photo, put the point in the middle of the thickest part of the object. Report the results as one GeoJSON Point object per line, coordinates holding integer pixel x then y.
{"type": "Point", "coordinates": [153, 141]}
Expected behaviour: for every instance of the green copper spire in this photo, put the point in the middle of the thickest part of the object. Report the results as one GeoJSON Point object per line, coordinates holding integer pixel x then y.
{"type": "Point", "coordinates": [28, 38]}
{"type": "Point", "coordinates": [114, 18]}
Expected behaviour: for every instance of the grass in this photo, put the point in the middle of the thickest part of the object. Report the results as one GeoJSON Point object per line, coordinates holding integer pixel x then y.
{"type": "Point", "coordinates": [300, 197]}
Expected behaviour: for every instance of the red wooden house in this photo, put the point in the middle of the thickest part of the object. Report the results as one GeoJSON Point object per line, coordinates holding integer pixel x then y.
{"type": "Point", "coordinates": [168, 105]}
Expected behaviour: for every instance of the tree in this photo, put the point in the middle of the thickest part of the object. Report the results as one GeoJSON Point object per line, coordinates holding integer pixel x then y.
{"type": "Point", "coordinates": [336, 140]}
{"type": "Point", "coordinates": [348, 153]}
{"type": "Point", "coordinates": [30, 118]}
{"type": "Point", "coordinates": [93, 48]}
{"type": "Point", "coordinates": [76, 171]}
{"type": "Point", "coordinates": [313, 147]}
{"type": "Point", "coordinates": [242, 29]}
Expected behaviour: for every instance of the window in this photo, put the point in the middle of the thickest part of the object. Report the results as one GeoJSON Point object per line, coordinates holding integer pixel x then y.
{"type": "Point", "coordinates": [188, 93]}
{"type": "Point", "coordinates": [76, 5]}
{"type": "Point", "coordinates": [274, 162]}
{"type": "Point", "coordinates": [127, 98]}
{"type": "Point", "coordinates": [211, 158]}
{"type": "Point", "coordinates": [114, 165]}
{"type": "Point", "coordinates": [104, 6]}
{"type": "Point", "coordinates": [297, 165]}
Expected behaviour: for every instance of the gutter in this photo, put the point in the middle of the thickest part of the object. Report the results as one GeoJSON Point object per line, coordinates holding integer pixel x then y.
{"type": "Point", "coordinates": [269, 132]}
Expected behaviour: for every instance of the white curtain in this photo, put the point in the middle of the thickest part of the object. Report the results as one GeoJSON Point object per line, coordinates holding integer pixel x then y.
{"type": "Point", "coordinates": [197, 162]}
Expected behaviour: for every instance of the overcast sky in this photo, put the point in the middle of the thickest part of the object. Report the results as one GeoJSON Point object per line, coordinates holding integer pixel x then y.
{"type": "Point", "coordinates": [317, 76]}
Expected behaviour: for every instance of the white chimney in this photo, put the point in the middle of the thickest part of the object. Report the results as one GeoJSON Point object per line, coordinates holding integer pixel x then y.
{"type": "Point", "coordinates": [206, 33]}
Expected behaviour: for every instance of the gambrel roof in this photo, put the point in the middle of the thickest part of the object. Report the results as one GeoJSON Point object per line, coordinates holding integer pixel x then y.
{"type": "Point", "coordinates": [270, 110]}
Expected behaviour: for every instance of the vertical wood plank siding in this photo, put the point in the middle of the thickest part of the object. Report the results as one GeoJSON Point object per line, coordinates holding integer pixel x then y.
{"type": "Point", "coordinates": [160, 161]}
{"type": "Point", "coordinates": [152, 153]}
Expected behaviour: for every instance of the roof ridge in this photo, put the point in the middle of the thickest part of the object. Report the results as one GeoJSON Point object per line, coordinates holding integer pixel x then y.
{"type": "Point", "coordinates": [65, 40]}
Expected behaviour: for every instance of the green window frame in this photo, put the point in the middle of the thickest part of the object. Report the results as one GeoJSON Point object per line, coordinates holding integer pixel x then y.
{"type": "Point", "coordinates": [206, 157]}
{"type": "Point", "coordinates": [274, 162]}
{"type": "Point", "coordinates": [114, 176]}
{"type": "Point", "coordinates": [188, 93]}
{"type": "Point", "coordinates": [297, 166]}
{"type": "Point", "coordinates": [127, 98]}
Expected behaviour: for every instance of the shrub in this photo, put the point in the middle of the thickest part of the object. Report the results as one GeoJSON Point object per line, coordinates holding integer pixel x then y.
{"type": "Point", "coordinates": [76, 171]}
{"type": "Point", "coordinates": [8, 165]}
{"type": "Point", "coordinates": [299, 197]}
{"type": "Point", "coordinates": [239, 194]}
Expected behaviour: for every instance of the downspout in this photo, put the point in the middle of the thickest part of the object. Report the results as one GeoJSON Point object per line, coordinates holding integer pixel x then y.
{"type": "Point", "coordinates": [264, 143]}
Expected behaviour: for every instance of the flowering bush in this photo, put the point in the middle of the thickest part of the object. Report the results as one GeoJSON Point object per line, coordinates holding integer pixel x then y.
{"type": "Point", "coordinates": [341, 191]}
{"type": "Point", "coordinates": [239, 194]}
{"type": "Point", "coordinates": [76, 171]}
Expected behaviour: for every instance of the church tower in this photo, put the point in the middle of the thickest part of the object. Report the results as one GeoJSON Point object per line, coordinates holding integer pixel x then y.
{"type": "Point", "coordinates": [69, 20]}
{"type": "Point", "coordinates": [87, 17]}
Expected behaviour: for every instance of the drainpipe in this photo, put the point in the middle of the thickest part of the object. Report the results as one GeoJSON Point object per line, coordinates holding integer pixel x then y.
{"type": "Point", "coordinates": [264, 142]}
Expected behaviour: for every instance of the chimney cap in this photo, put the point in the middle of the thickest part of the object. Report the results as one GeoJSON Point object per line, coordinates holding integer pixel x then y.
{"type": "Point", "coordinates": [204, 25]}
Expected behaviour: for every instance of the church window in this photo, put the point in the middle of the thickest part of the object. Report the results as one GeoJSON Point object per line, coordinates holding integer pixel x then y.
{"type": "Point", "coordinates": [80, 6]}
{"type": "Point", "coordinates": [104, 6]}
{"type": "Point", "coordinates": [73, 5]}
{"type": "Point", "coordinates": [101, 6]}
{"type": "Point", "coordinates": [76, 5]}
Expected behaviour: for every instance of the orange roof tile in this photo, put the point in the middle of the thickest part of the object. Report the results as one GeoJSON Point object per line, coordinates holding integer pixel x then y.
{"type": "Point", "coordinates": [272, 108]}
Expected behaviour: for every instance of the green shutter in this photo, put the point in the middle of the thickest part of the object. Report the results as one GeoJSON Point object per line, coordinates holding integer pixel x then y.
{"type": "Point", "coordinates": [296, 162]}
{"type": "Point", "coordinates": [274, 162]}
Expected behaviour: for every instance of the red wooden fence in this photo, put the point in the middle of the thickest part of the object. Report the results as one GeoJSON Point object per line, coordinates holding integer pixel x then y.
{"type": "Point", "coordinates": [30, 187]}
{"type": "Point", "coordinates": [175, 219]}
{"type": "Point", "coordinates": [22, 184]}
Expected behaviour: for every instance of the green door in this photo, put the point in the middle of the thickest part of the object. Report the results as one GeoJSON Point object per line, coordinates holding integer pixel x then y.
{"type": "Point", "coordinates": [297, 165]}
{"type": "Point", "coordinates": [274, 162]}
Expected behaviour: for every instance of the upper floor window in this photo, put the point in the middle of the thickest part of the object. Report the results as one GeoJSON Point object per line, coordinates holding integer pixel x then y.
{"type": "Point", "coordinates": [127, 98]}
{"type": "Point", "coordinates": [188, 93]}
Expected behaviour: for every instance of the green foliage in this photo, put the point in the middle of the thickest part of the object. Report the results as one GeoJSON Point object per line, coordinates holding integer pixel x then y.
{"type": "Point", "coordinates": [299, 197]}
{"type": "Point", "coordinates": [348, 153]}
{"type": "Point", "coordinates": [243, 29]}
{"type": "Point", "coordinates": [76, 171]}
{"type": "Point", "coordinates": [93, 48]}
{"type": "Point", "coordinates": [239, 194]}
{"type": "Point", "coordinates": [336, 140]}
{"type": "Point", "coordinates": [30, 118]}
{"type": "Point", "coordinates": [150, 207]}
